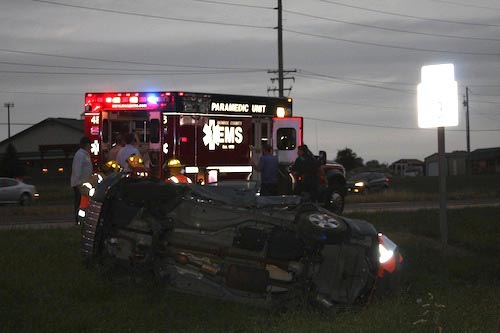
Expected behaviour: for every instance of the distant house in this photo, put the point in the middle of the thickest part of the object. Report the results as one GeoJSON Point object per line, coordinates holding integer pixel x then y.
{"type": "Point", "coordinates": [456, 163]}
{"type": "Point", "coordinates": [407, 167]}
{"type": "Point", "coordinates": [485, 161]}
{"type": "Point", "coordinates": [47, 148]}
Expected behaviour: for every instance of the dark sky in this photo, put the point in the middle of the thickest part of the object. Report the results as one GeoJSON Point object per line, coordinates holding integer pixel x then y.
{"type": "Point", "coordinates": [357, 62]}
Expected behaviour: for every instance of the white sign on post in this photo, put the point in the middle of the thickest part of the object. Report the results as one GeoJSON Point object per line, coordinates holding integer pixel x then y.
{"type": "Point", "coordinates": [438, 97]}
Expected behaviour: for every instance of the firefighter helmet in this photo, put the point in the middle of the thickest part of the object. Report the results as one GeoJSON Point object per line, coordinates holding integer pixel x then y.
{"type": "Point", "coordinates": [175, 172]}
{"type": "Point", "coordinates": [110, 167]}
{"type": "Point", "coordinates": [174, 163]}
{"type": "Point", "coordinates": [135, 161]}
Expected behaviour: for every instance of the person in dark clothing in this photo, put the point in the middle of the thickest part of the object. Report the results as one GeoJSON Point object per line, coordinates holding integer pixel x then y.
{"type": "Point", "coordinates": [269, 171]}
{"type": "Point", "coordinates": [305, 170]}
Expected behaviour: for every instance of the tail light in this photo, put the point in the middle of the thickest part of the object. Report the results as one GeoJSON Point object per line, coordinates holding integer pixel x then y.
{"type": "Point", "coordinates": [388, 255]}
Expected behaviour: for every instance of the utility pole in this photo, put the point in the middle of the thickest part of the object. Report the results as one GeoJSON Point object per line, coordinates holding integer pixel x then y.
{"type": "Point", "coordinates": [467, 129]}
{"type": "Point", "coordinates": [281, 72]}
{"type": "Point", "coordinates": [8, 106]}
{"type": "Point", "coordinates": [443, 173]}
{"type": "Point", "coordinates": [280, 49]}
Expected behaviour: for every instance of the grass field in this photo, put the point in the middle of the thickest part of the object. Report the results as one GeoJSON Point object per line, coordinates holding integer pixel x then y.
{"type": "Point", "coordinates": [427, 189]}
{"type": "Point", "coordinates": [45, 288]}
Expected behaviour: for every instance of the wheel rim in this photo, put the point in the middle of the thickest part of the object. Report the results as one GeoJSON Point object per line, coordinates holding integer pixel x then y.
{"type": "Point", "coordinates": [324, 221]}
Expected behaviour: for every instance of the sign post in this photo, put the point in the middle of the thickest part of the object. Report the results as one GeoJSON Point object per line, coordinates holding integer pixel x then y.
{"type": "Point", "coordinates": [438, 108]}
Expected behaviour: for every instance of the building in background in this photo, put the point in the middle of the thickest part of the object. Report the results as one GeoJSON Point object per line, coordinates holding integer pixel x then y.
{"type": "Point", "coordinates": [46, 149]}
{"type": "Point", "coordinates": [407, 168]}
{"type": "Point", "coordinates": [485, 161]}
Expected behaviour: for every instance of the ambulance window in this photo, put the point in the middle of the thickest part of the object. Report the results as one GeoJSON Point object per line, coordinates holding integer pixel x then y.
{"type": "Point", "coordinates": [140, 128]}
{"type": "Point", "coordinates": [155, 130]}
{"type": "Point", "coordinates": [105, 130]}
{"type": "Point", "coordinates": [263, 133]}
{"type": "Point", "coordinates": [286, 138]}
{"type": "Point", "coordinates": [122, 127]}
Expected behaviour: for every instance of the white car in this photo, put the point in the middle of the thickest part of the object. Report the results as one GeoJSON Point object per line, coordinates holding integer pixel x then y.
{"type": "Point", "coordinates": [15, 191]}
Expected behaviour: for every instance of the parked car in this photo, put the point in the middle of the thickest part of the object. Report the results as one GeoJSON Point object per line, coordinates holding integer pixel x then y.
{"type": "Point", "coordinates": [366, 182]}
{"type": "Point", "coordinates": [16, 191]}
{"type": "Point", "coordinates": [223, 240]}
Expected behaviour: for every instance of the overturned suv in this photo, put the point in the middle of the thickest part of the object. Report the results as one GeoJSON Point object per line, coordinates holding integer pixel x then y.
{"type": "Point", "coordinates": [224, 241]}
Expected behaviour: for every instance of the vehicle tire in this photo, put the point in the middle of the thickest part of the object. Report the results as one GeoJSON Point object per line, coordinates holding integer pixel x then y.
{"type": "Point", "coordinates": [334, 201]}
{"type": "Point", "coordinates": [25, 199]}
{"type": "Point", "coordinates": [322, 227]}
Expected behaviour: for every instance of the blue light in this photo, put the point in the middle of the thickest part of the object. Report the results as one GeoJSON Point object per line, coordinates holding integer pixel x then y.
{"type": "Point", "coordinates": [152, 99]}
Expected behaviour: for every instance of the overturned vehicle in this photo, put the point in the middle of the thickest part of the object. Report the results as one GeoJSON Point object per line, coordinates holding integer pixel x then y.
{"type": "Point", "coordinates": [224, 241]}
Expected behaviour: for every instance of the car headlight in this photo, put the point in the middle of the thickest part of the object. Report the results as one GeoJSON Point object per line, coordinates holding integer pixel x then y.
{"type": "Point", "coordinates": [359, 184]}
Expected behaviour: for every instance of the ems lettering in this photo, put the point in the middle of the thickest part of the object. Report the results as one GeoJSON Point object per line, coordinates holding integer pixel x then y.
{"type": "Point", "coordinates": [221, 135]}
{"type": "Point", "coordinates": [233, 135]}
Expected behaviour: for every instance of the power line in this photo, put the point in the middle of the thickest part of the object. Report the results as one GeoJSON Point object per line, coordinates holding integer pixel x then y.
{"type": "Point", "coordinates": [410, 16]}
{"type": "Point", "coordinates": [122, 61]}
{"type": "Point", "coordinates": [124, 69]}
{"type": "Point", "coordinates": [392, 46]}
{"type": "Point", "coordinates": [123, 74]}
{"type": "Point", "coordinates": [39, 93]}
{"type": "Point", "coordinates": [487, 116]}
{"type": "Point", "coordinates": [390, 29]}
{"type": "Point", "coordinates": [358, 79]}
{"type": "Point", "coordinates": [395, 127]}
{"type": "Point", "coordinates": [465, 4]}
{"type": "Point", "coordinates": [493, 85]}
{"type": "Point", "coordinates": [485, 102]}
{"type": "Point", "coordinates": [233, 4]}
{"type": "Point", "coordinates": [328, 101]}
{"type": "Point", "coordinates": [153, 16]}
{"type": "Point", "coordinates": [348, 81]}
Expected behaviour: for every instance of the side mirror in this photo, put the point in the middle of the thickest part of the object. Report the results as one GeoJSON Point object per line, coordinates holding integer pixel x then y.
{"type": "Point", "coordinates": [322, 157]}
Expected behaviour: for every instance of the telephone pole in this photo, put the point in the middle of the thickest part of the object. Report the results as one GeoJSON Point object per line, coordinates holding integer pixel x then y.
{"type": "Point", "coordinates": [8, 106]}
{"type": "Point", "coordinates": [281, 72]}
{"type": "Point", "coordinates": [280, 49]}
{"type": "Point", "coordinates": [467, 129]}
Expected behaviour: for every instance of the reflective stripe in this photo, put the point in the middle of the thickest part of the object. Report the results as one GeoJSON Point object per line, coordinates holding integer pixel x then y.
{"type": "Point", "coordinates": [230, 169]}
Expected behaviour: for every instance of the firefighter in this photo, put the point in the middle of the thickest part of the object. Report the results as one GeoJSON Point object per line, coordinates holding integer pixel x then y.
{"type": "Point", "coordinates": [174, 172]}
{"type": "Point", "coordinates": [305, 170]}
{"type": "Point", "coordinates": [136, 166]}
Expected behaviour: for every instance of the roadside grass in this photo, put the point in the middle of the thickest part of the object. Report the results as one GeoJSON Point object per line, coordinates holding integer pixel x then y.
{"type": "Point", "coordinates": [44, 287]}
{"type": "Point", "coordinates": [37, 210]}
{"type": "Point", "coordinates": [53, 189]}
{"type": "Point", "coordinates": [425, 188]}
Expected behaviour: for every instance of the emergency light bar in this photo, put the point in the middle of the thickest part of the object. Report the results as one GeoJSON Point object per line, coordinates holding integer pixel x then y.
{"type": "Point", "coordinates": [189, 102]}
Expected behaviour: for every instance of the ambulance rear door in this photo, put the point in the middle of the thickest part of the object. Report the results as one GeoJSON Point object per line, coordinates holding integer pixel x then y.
{"type": "Point", "coordinates": [287, 137]}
